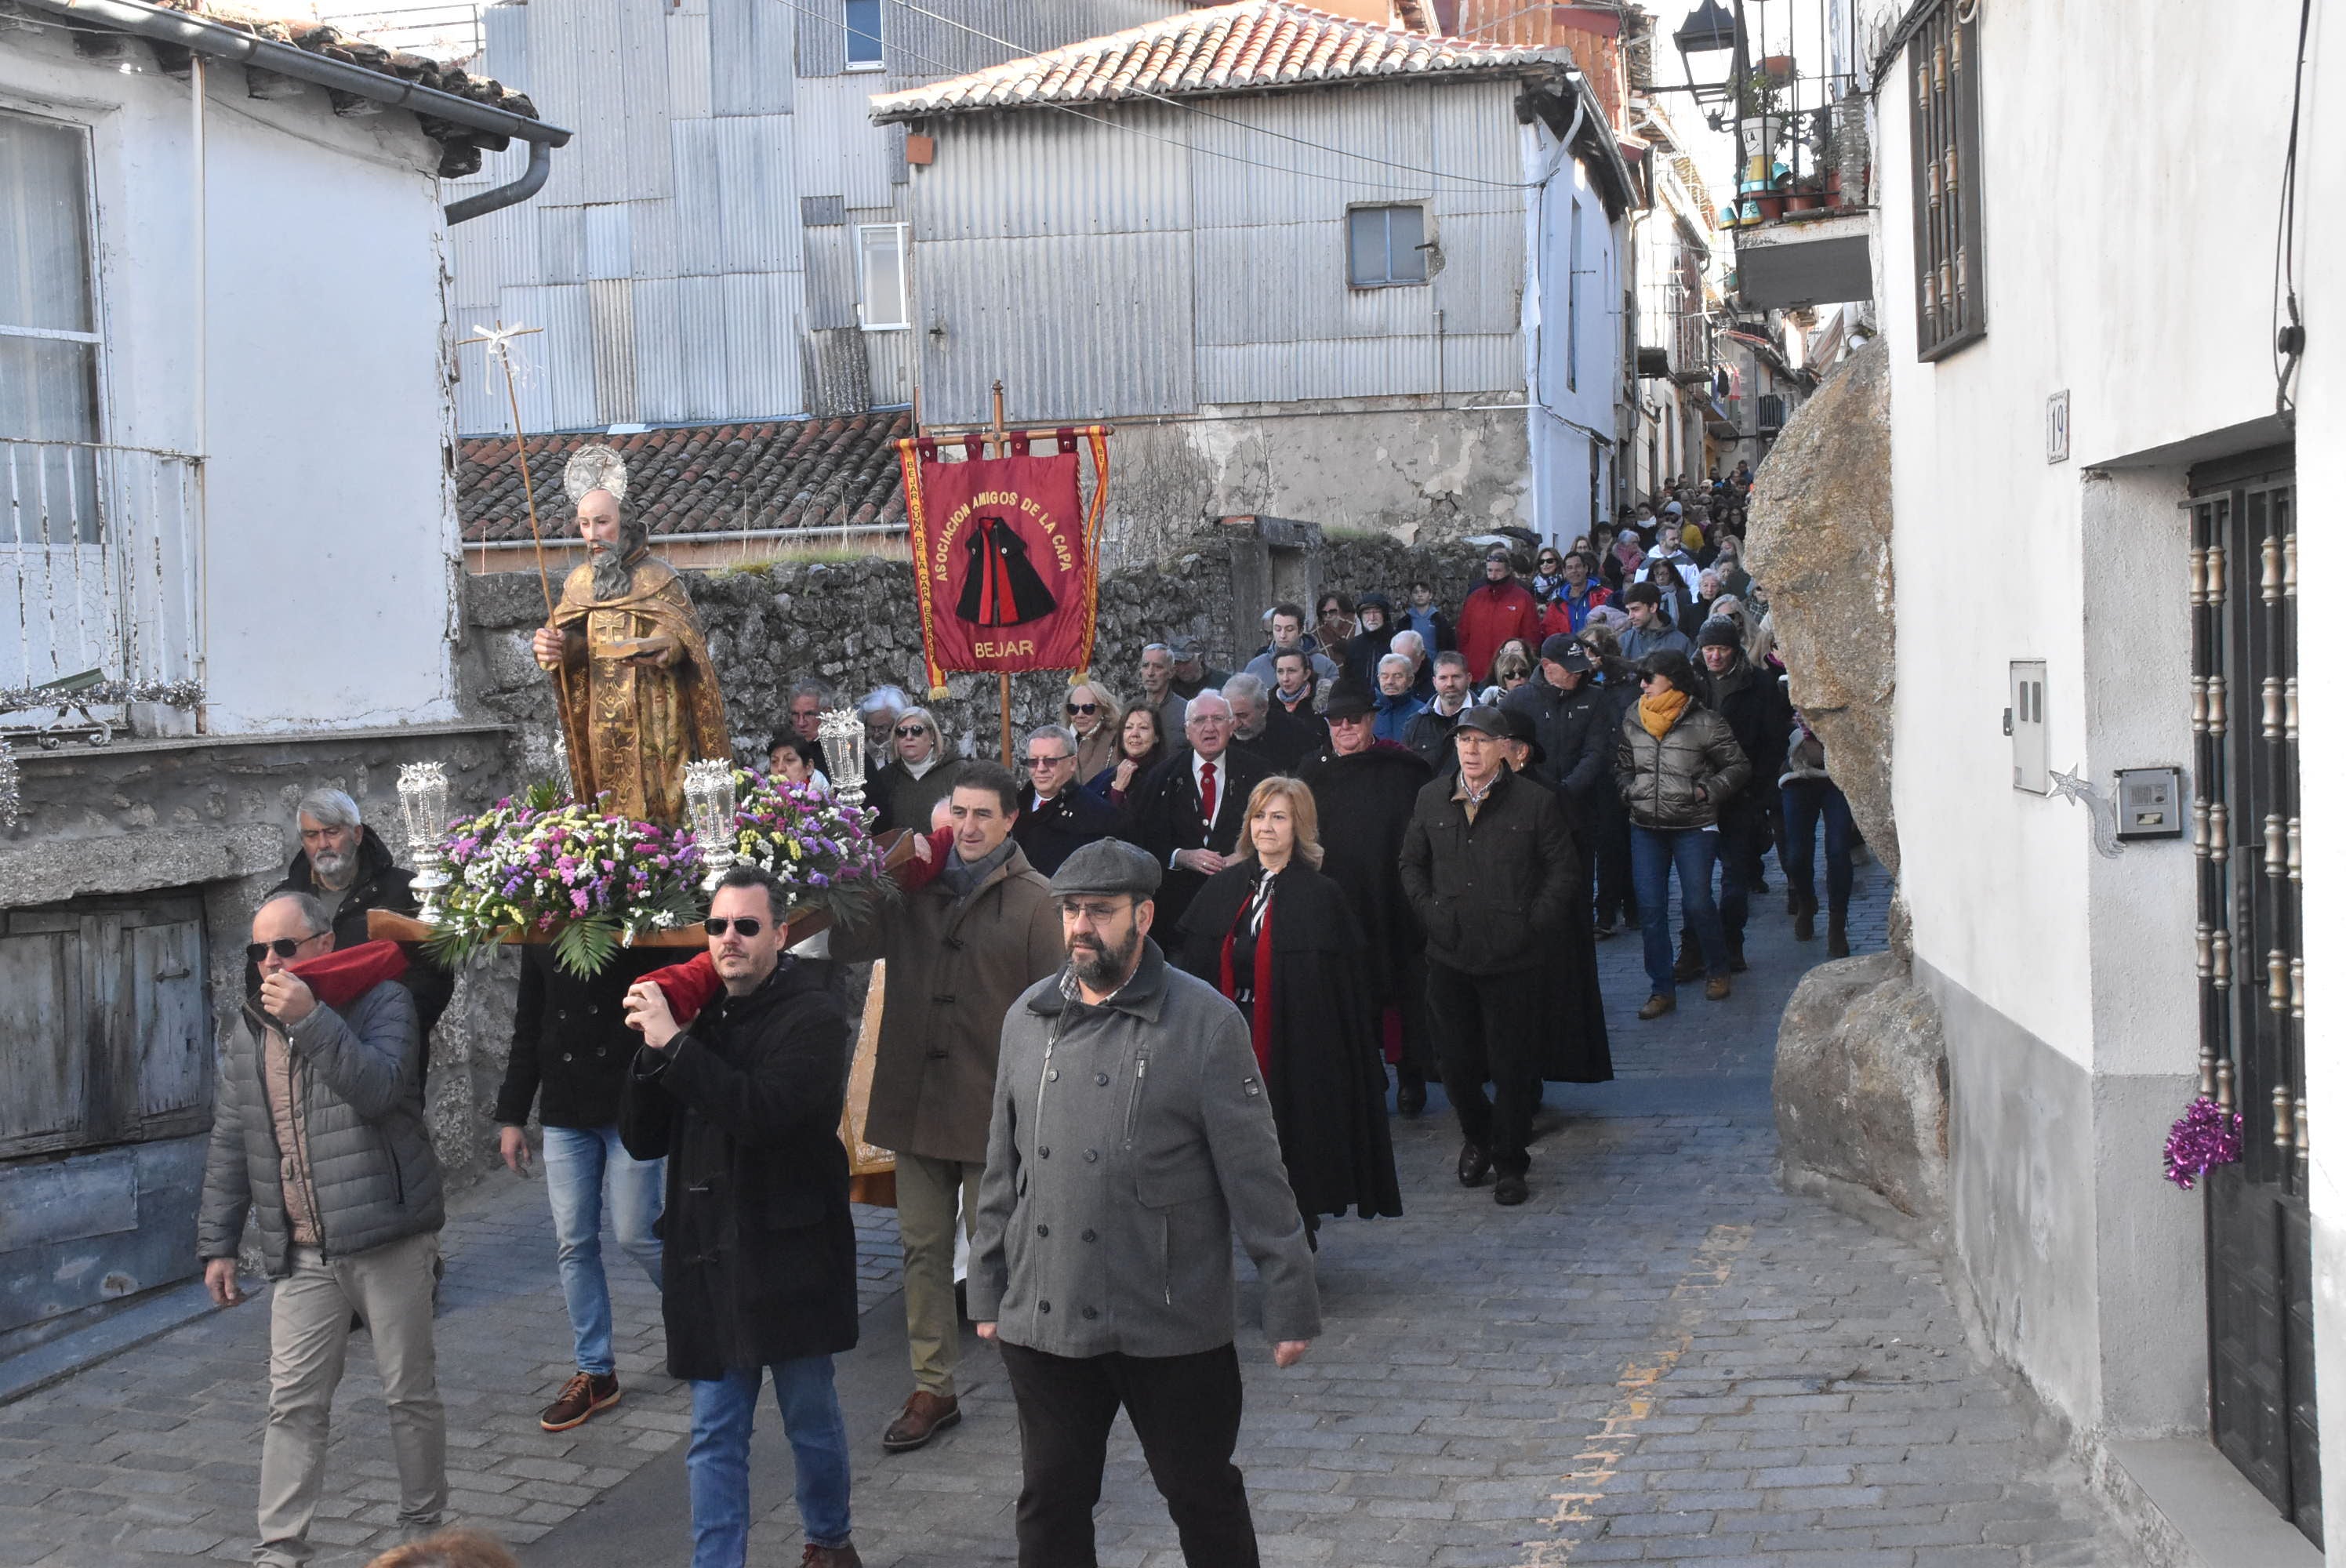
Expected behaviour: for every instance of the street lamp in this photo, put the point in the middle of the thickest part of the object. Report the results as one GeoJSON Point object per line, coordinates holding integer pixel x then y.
{"type": "Point", "coordinates": [1709, 30]}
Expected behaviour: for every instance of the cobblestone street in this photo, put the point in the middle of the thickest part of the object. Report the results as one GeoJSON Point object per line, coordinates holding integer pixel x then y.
{"type": "Point", "coordinates": [1661, 1358]}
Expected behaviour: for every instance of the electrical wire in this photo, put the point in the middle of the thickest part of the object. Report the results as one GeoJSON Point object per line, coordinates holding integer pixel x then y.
{"type": "Point", "coordinates": [1226, 119]}
{"type": "Point", "coordinates": [2289, 342]}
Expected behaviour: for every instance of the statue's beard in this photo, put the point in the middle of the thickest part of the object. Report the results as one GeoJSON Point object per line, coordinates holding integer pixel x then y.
{"type": "Point", "coordinates": [613, 575]}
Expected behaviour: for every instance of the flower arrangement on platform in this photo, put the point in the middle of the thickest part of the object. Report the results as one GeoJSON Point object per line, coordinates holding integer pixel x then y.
{"type": "Point", "coordinates": [536, 868]}
{"type": "Point", "coordinates": [814, 846]}
{"type": "Point", "coordinates": [2205, 1136]}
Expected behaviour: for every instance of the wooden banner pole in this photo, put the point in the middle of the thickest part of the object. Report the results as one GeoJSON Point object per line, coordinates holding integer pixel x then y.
{"type": "Point", "coordinates": [1000, 446]}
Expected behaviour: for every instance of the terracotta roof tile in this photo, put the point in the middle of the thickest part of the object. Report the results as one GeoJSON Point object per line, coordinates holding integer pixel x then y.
{"type": "Point", "coordinates": [701, 479]}
{"type": "Point", "coordinates": [1255, 46]}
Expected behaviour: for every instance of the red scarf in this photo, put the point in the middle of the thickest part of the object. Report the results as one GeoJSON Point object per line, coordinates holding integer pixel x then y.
{"type": "Point", "coordinates": [1259, 1016]}
{"type": "Point", "coordinates": [341, 977]}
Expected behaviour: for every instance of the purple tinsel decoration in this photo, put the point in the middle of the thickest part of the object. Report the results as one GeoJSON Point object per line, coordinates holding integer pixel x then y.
{"type": "Point", "coordinates": [2204, 1137]}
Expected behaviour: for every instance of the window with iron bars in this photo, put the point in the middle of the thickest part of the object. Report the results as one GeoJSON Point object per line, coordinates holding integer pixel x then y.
{"type": "Point", "coordinates": [1949, 282]}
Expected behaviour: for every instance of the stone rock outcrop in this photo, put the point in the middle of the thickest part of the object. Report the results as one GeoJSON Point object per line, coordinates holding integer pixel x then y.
{"type": "Point", "coordinates": [1820, 540]}
{"type": "Point", "coordinates": [1862, 1087]}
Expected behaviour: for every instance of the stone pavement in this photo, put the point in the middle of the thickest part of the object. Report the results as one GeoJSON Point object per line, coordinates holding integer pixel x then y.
{"type": "Point", "coordinates": [1662, 1358]}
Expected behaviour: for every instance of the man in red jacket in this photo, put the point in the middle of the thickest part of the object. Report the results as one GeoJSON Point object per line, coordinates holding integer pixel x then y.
{"type": "Point", "coordinates": [1498, 609]}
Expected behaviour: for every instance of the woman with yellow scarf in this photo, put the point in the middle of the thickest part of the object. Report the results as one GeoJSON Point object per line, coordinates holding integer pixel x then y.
{"type": "Point", "coordinates": [1676, 762]}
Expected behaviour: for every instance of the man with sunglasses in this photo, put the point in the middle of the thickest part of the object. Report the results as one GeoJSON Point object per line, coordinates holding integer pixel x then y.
{"type": "Point", "coordinates": [1056, 816]}
{"type": "Point", "coordinates": [318, 1134]}
{"type": "Point", "coordinates": [1130, 1141]}
{"type": "Point", "coordinates": [960, 947]}
{"type": "Point", "coordinates": [760, 1267]}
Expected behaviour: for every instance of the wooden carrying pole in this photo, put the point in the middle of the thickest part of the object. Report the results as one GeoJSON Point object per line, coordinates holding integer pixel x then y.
{"type": "Point", "coordinates": [1000, 445]}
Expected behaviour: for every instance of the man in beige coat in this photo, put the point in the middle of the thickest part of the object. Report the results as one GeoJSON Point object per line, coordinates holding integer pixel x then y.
{"type": "Point", "coordinates": [961, 947]}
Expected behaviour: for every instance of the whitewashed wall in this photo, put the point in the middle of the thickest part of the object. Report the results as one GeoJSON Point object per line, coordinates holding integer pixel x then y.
{"type": "Point", "coordinates": [331, 535]}
{"type": "Point", "coordinates": [1575, 371]}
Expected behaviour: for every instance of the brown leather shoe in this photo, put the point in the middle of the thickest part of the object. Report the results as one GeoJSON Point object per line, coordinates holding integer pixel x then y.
{"type": "Point", "coordinates": [580, 1399]}
{"type": "Point", "coordinates": [923, 1417]}
{"type": "Point", "coordinates": [1656, 1005]}
{"type": "Point", "coordinates": [840, 1556]}
{"type": "Point", "coordinates": [1718, 988]}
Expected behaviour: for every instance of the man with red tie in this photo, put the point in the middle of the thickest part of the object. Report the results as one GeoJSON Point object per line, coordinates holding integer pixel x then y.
{"type": "Point", "coordinates": [1186, 812]}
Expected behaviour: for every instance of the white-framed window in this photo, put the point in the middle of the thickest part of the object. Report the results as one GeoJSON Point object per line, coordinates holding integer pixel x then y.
{"type": "Point", "coordinates": [1386, 246]}
{"type": "Point", "coordinates": [883, 280]}
{"type": "Point", "coordinates": [50, 340]}
{"type": "Point", "coordinates": [863, 34]}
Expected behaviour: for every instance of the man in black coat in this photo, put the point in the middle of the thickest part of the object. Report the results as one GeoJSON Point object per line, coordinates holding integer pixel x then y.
{"type": "Point", "coordinates": [1056, 815]}
{"type": "Point", "coordinates": [759, 1271]}
{"type": "Point", "coordinates": [1366, 789]}
{"type": "Point", "coordinates": [1489, 868]}
{"type": "Point", "coordinates": [1188, 811]}
{"type": "Point", "coordinates": [1757, 709]}
{"type": "Point", "coordinates": [345, 865]}
{"type": "Point", "coordinates": [1574, 1046]}
{"type": "Point", "coordinates": [1264, 728]}
{"type": "Point", "coordinates": [571, 1048]}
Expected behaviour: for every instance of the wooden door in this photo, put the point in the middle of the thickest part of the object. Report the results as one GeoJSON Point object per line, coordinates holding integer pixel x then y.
{"type": "Point", "coordinates": [2246, 831]}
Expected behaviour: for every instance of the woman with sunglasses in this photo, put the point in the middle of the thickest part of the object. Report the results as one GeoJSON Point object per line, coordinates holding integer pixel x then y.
{"type": "Point", "coordinates": [1094, 715]}
{"type": "Point", "coordinates": [1549, 576]}
{"type": "Point", "coordinates": [1140, 746]}
{"type": "Point", "coordinates": [920, 775]}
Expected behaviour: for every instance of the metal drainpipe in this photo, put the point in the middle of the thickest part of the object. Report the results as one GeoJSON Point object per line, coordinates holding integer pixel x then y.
{"type": "Point", "coordinates": [541, 163]}
{"type": "Point", "coordinates": [200, 566]}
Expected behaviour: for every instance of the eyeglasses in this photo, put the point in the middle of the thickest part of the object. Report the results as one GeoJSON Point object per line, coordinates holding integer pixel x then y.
{"type": "Point", "coordinates": [1046, 762]}
{"type": "Point", "coordinates": [742, 925]}
{"type": "Point", "coordinates": [1083, 708]}
{"type": "Point", "coordinates": [283, 947]}
{"type": "Point", "coordinates": [904, 730]}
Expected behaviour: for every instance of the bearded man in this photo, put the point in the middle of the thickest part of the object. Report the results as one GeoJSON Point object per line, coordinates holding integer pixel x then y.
{"type": "Point", "coordinates": [638, 696]}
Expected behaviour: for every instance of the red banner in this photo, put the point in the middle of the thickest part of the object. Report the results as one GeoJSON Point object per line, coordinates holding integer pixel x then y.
{"type": "Point", "coordinates": [1004, 557]}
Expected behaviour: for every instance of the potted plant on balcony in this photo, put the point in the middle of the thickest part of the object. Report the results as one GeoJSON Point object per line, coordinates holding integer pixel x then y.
{"type": "Point", "coordinates": [1807, 194]}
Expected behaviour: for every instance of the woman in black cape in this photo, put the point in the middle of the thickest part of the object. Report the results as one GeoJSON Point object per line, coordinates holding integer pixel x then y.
{"type": "Point", "coordinates": [1276, 937]}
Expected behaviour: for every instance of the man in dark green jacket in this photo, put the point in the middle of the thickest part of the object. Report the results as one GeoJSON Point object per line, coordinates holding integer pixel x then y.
{"type": "Point", "coordinates": [1489, 868]}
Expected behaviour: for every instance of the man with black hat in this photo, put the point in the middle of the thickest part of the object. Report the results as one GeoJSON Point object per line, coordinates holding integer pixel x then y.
{"type": "Point", "coordinates": [1372, 637]}
{"type": "Point", "coordinates": [1101, 1263]}
{"type": "Point", "coordinates": [1568, 715]}
{"type": "Point", "coordinates": [1489, 870]}
{"type": "Point", "coordinates": [1754, 705]}
{"type": "Point", "coordinates": [1366, 789]}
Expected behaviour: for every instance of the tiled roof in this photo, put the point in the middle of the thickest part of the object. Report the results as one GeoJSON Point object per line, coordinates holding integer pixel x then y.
{"type": "Point", "coordinates": [460, 145]}
{"type": "Point", "coordinates": [1255, 46]}
{"type": "Point", "coordinates": [701, 479]}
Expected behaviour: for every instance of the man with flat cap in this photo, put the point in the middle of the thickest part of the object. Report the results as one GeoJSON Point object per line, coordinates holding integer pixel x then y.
{"type": "Point", "coordinates": [1130, 1139]}
{"type": "Point", "coordinates": [1489, 868]}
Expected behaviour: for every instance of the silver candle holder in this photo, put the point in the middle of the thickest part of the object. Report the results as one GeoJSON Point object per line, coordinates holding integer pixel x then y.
{"type": "Point", "coordinates": [841, 730]}
{"type": "Point", "coordinates": [710, 803]}
{"type": "Point", "coordinates": [423, 809]}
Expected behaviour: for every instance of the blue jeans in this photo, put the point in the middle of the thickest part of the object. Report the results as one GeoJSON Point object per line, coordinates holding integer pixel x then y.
{"type": "Point", "coordinates": [582, 1165]}
{"type": "Point", "coordinates": [1652, 852]}
{"type": "Point", "coordinates": [716, 1465]}
{"type": "Point", "coordinates": [1805, 801]}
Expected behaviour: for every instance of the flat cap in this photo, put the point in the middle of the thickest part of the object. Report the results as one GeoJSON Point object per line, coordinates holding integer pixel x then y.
{"type": "Point", "coordinates": [1488, 719]}
{"type": "Point", "coordinates": [1186, 648]}
{"type": "Point", "coordinates": [1108, 866]}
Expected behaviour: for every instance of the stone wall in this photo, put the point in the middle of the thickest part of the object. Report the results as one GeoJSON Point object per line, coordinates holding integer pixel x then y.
{"type": "Point", "coordinates": [851, 624]}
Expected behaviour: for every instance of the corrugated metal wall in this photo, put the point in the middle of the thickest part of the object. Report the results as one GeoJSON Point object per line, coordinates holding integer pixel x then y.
{"type": "Point", "coordinates": [699, 125]}
{"type": "Point", "coordinates": [1188, 255]}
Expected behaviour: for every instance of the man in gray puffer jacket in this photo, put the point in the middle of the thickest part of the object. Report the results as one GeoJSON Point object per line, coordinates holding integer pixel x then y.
{"type": "Point", "coordinates": [318, 1134]}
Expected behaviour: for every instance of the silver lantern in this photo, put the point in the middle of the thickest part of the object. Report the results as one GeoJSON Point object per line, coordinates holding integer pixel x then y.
{"type": "Point", "coordinates": [709, 802]}
{"type": "Point", "coordinates": [423, 809]}
{"type": "Point", "coordinates": [843, 748]}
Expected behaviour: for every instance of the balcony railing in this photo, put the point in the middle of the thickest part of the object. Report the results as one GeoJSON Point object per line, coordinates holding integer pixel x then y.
{"type": "Point", "coordinates": [98, 565]}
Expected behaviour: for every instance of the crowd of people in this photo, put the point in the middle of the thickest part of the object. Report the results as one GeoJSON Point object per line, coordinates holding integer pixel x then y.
{"type": "Point", "coordinates": [1161, 988]}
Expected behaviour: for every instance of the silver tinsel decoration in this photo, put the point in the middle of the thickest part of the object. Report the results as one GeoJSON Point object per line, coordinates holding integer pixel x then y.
{"type": "Point", "coordinates": [9, 802]}
{"type": "Point", "coordinates": [102, 694]}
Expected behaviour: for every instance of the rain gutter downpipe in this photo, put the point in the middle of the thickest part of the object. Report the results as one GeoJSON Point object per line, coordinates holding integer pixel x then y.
{"type": "Point", "coordinates": [210, 39]}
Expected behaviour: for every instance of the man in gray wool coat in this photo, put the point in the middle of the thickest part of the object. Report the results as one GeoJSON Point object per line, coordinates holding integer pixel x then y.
{"type": "Point", "coordinates": [1130, 1139]}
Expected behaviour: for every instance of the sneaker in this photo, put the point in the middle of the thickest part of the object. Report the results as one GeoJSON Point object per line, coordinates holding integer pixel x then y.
{"type": "Point", "coordinates": [581, 1398]}
{"type": "Point", "coordinates": [1718, 988]}
{"type": "Point", "coordinates": [1656, 1005]}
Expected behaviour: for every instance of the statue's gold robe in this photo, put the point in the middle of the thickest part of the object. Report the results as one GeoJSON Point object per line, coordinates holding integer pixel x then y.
{"type": "Point", "coordinates": [631, 726]}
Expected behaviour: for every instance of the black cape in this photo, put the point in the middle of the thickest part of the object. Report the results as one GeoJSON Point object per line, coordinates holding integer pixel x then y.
{"type": "Point", "coordinates": [1003, 588]}
{"type": "Point", "coordinates": [1365, 800]}
{"type": "Point", "coordinates": [1575, 1047]}
{"type": "Point", "coordinates": [1327, 1075]}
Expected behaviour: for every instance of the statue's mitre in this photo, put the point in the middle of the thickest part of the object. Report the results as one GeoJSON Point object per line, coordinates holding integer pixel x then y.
{"type": "Point", "coordinates": [595, 467]}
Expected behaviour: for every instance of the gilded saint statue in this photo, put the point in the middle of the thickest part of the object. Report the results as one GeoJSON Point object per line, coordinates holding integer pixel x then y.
{"type": "Point", "coordinates": [638, 696]}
